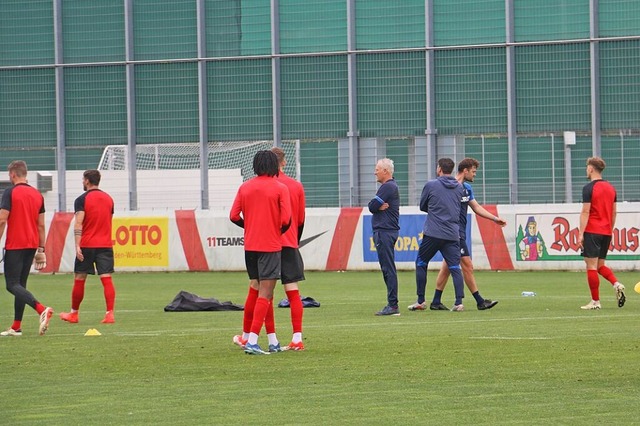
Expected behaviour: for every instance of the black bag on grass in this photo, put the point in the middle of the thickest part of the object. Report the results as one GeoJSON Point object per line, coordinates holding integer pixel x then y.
{"type": "Point", "coordinates": [189, 302]}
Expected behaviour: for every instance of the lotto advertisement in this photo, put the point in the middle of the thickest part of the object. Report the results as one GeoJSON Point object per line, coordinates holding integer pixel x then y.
{"type": "Point", "coordinates": [141, 241]}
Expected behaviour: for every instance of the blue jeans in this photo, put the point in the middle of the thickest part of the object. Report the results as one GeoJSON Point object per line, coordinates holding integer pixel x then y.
{"type": "Point", "coordinates": [385, 241]}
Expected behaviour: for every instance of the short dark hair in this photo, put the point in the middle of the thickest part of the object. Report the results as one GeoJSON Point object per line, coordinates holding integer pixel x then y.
{"type": "Point", "coordinates": [279, 153]}
{"type": "Point", "coordinates": [265, 163]}
{"type": "Point", "coordinates": [19, 167]}
{"type": "Point", "coordinates": [446, 165]}
{"type": "Point", "coordinates": [468, 163]}
{"type": "Point", "coordinates": [93, 176]}
{"type": "Point", "coordinates": [597, 163]}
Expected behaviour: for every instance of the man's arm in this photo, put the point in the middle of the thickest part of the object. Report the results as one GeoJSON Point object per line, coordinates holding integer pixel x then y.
{"type": "Point", "coordinates": [40, 258]}
{"type": "Point", "coordinates": [4, 216]}
{"type": "Point", "coordinates": [42, 235]}
{"type": "Point", "coordinates": [424, 199]}
{"type": "Point", "coordinates": [584, 218]}
{"type": "Point", "coordinates": [236, 209]}
{"type": "Point", "coordinates": [614, 213]}
{"type": "Point", "coordinates": [77, 233]}
{"type": "Point", "coordinates": [482, 212]}
{"type": "Point", "coordinates": [375, 203]}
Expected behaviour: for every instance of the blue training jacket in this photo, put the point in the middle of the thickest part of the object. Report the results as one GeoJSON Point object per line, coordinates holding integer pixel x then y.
{"type": "Point", "coordinates": [441, 199]}
{"type": "Point", "coordinates": [388, 219]}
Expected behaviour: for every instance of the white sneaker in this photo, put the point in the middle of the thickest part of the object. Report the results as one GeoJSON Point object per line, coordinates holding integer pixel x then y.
{"type": "Point", "coordinates": [11, 332]}
{"type": "Point", "coordinates": [45, 316]}
{"type": "Point", "coordinates": [418, 306]}
{"type": "Point", "coordinates": [620, 297]}
{"type": "Point", "coordinates": [591, 305]}
{"type": "Point", "coordinates": [457, 308]}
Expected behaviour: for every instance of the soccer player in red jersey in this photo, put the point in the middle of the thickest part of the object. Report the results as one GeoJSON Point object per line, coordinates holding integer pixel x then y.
{"type": "Point", "coordinates": [94, 245]}
{"type": "Point", "coordinates": [597, 219]}
{"type": "Point", "coordinates": [263, 208]}
{"type": "Point", "coordinates": [22, 213]}
{"type": "Point", "coordinates": [292, 263]}
{"type": "Point", "coordinates": [292, 270]}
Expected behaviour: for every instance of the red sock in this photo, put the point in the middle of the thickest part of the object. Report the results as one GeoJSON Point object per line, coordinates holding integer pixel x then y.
{"type": "Point", "coordinates": [77, 294]}
{"type": "Point", "coordinates": [39, 308]}
{"type": "Point", "coordinates": [17, 325]}
{"type": "Point", "coordinates": [260, 312]}
{"type": "Point", "coordinates": [296, 310]}
{"type": "Point", "coordinates": [249, 306]}
{"type": "Point", "coordinates": [594, 283]}
{"type": "Point", "coordinates": [109, 292]}
{"type": "Point", "coordinates": [269, 320]}
{"type": "Point", "coordinates": [607, 274]}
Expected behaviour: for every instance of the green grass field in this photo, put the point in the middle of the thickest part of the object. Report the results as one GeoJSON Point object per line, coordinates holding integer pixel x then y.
{"type": "Point", "coordinates": [530, 360]}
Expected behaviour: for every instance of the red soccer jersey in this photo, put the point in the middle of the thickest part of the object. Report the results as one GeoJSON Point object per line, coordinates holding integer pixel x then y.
{"type": "Point", "coordinates": [97, 206]}
{"type": "Point", "coordinates": [296, 192]}
{"type": "Point", "coordinates": [25, 204]}
{"type": "Point", "coordinates": [602, 196]}
{"type": "Point", "coordinates": [265, 207]}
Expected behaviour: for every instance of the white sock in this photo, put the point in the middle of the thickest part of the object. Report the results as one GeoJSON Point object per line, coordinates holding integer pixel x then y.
{"type": "Point", "coordinates": [252, 339]}
{"type": "Point", "coordinates": [273, 340]}
{"type": "Point", "coordinates": [297, 338]}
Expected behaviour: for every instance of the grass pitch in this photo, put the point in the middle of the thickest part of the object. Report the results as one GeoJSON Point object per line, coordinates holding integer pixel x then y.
{"type": "Point", "coordinates": [530, 360]}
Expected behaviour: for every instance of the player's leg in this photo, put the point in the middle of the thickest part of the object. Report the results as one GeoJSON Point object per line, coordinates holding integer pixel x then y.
{"type": "Point", "coordinates": [607, 273]}
{"type": "Point", "coordinates": [292, 273]}
{"type": "Point", "coordinates": [428, 248]}
{"type": "Point", "coordinates": [443, 276]}
{"type": "Point", "coordinates": [590, 252]}
{"type": "Point", "coordinates": [12, 276]}
{"type": "Point", "coordinates": [268, 267]}
{"type": "Point", "coordinates": [17, 269]}
{"type": "Point", "coordinates": [247, 313]}
{"type": "Point", "coordinates": [470, 280]}
{"type": "Point", "coordinates": [451, 252]}
{"type": "Point", "coordinates": [77, 296]}
{"type": "Point", "coordinates": [250, 259]}
{"type": "Point", "coordinates": [105, 267]}
{"type": "Point", "coordinates": [421, 286]}
{"type": "Point", "coordinates": [270, 329]}
{"type": "Point", "coordinates": [385, 245]}
{"type": "Point", "coordinates": [81, 269]}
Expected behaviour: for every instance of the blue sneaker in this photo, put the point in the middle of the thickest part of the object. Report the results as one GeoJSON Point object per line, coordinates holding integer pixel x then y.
{"type": "Point", "coordinates": [254, 350]}
{"type": "Point", "coordinates": [275, 348]}
{"type": "Point", "coordinates": [389, 310]}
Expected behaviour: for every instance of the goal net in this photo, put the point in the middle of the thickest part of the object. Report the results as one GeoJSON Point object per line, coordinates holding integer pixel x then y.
{"type": "Point", "coordinates": [177, 156]}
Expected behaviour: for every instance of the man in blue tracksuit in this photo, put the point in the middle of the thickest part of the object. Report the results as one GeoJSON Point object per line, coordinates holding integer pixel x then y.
{"type": "Point", "coordinates": [385, 207]}
{"type": "Point", "coordinates": [441, 199]}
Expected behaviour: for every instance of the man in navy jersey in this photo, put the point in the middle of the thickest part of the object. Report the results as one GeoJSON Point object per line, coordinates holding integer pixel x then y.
{"type": "Point", "coordinates": [94, 245]}
{"type": "Point", "coordinates": [385, 207]}
{"type": "Point", "coordinates": [597, 219]}
{"type": "Point", "coordinates": [263, 208]}
{"type": "Point", "coordinates": [467, 169]}
{"type": "Point", "coordinates": [440, 199]}
{"type": "Point", "coordinates": [22, 213]}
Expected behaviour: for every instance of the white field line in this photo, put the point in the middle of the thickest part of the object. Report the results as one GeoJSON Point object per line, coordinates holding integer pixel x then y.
{"type": "Point", "coordinates": [383, 323]}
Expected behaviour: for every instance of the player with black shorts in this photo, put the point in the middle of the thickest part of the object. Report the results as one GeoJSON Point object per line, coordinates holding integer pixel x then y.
{"type": "Point", "coordinates": [597, 219]}
{"type": "Point", "coordinates": [94, 245]}
{"type": "Point", "coordinates": [263, 208]}
{"type": "Point", "coordinates": [22, 213]}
